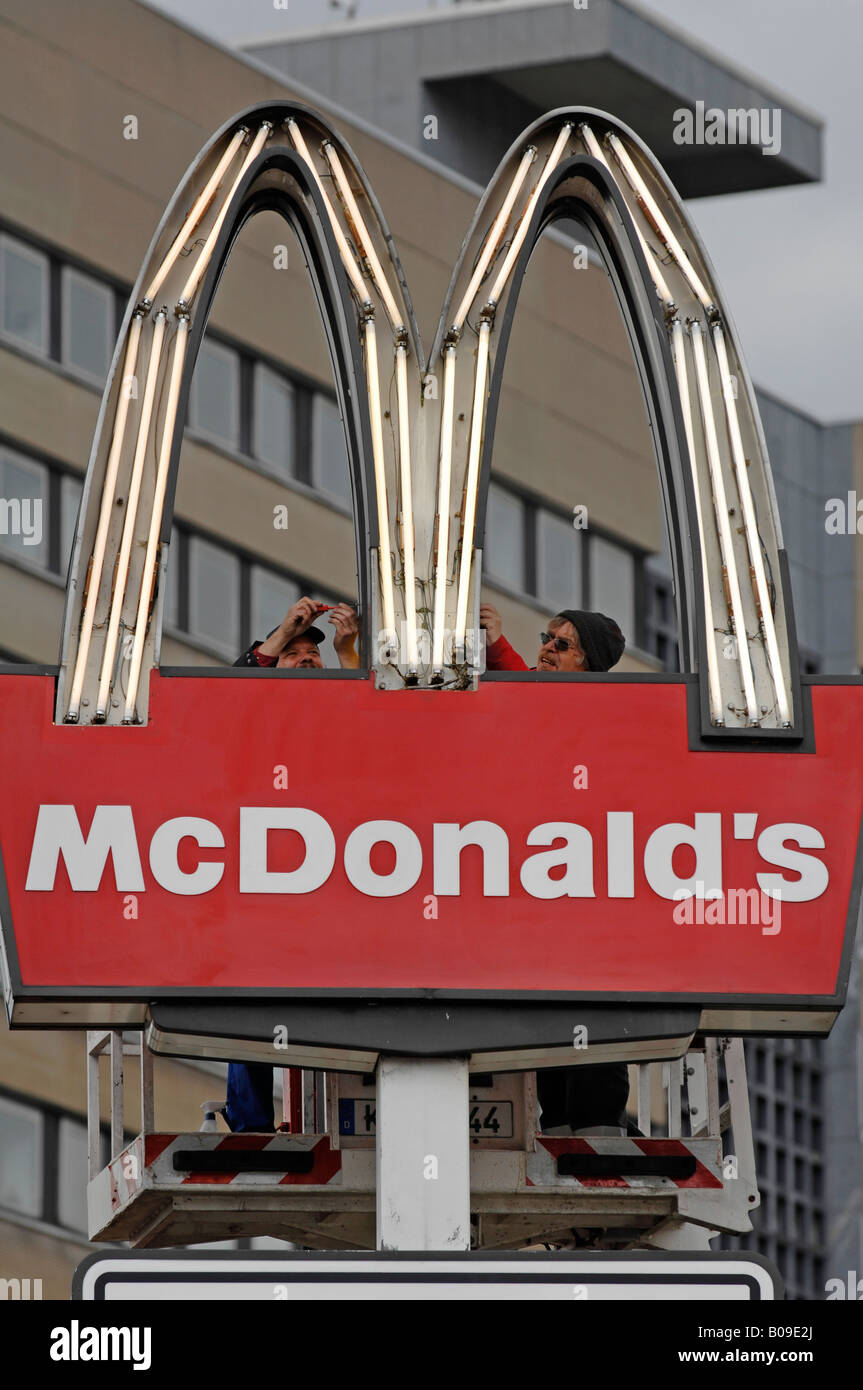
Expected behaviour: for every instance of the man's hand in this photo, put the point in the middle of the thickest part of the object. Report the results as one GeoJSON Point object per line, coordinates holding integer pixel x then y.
{"type": "Point", "coordinates": [490, 619]}
{"type": "Point", "coordinates": [344, 620]}
{"type": "Point", "coordinates": [298, 617]}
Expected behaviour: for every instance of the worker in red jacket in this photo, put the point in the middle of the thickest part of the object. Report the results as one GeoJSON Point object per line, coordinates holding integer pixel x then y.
{"type": "Point", "coordinates": [587, 1099]}
{"type": "Point", "coordinates": [575, 641]}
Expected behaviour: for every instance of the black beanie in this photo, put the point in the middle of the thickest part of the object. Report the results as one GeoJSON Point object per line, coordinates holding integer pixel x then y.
{"type": "Point", "coordinates": [601, 639]}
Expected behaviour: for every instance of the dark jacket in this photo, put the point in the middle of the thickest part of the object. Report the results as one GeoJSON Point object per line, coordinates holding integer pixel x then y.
{"type": "Point", "coordinates": [250, 659]}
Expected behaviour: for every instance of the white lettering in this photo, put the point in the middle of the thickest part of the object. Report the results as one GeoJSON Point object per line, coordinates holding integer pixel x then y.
{"type": "Point", "coordinates": [76, 1343]}
{"type": "Point", "coordinates": [576, 856]}
{"type": "Point", "coordinates": [256, 821]}
{"type": "Point", "coordinates": [621, 854]}
{"type": "Point", "coordinates": [163, 855]}
{"type": "Point", "coordinates": [705, 839]}
{"type": "Point", "coordinates": [408, 865]}
{"type": "Point", "coordinates": [112, 831]}
{"type": "Point", "coordinates": [566, 869]}
{"type": "Point", "coordinates": [813, 872]}
{"type": "Point", "coordinates": [450, 839]}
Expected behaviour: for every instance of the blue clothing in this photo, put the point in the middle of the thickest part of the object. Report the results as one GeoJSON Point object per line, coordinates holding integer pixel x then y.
{"type": "Point", "coordinates": [250, 1097]}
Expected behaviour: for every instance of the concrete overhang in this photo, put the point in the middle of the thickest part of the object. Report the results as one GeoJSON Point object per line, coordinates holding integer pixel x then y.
{"type": "Point", "coordinates": [488, 69]}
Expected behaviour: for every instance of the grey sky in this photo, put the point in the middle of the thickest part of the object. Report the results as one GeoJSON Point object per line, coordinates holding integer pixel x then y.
{"type": "Point", "coordinates": [789, 260]}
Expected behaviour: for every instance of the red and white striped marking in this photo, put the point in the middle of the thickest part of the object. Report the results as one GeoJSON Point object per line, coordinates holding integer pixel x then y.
{"type": "Point", "coordinates": [125, 1174]}
{"type": "Point", "coordinates": [542, 1171]}
{"type": "Point", "coordinates": [150, 1162]}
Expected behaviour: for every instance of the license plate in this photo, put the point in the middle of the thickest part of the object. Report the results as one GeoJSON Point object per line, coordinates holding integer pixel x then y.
{"type": "Point", "coordinates": [486, 1118]}
{"type": "Point", "coordinates": [357, 1117]}
{"type": "Point", "coordinates": [490, 1119]}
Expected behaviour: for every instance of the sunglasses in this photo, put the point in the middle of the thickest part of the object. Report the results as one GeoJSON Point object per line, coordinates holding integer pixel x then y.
{"type": "Point", "coordinates": [561, 644]}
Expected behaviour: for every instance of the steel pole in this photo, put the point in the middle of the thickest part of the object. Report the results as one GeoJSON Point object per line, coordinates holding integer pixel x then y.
{"type": "Point", "coordinates": [423, 1158]}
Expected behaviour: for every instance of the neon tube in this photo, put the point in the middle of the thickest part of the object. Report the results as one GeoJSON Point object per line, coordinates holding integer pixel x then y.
{"type": "Point", "coordinates": [476, 424]}
{"type": "Point", "coordinates": [407, 506]}
{"type": "Point", "coordinates": [365, 248]}
{"type": "Point", "coordinates": [384, 550]}
{"type": "Point", "coordinates": [651, 208]}
{"type": "Point", "coordinates": [751, 524]}
{"type": "Point", "coordinates": [131, 514]}
{"type": "Point", "coordinates": [341, 241]}
{"type": "Point", "coordinates": [726, 542]}
{"type": "Point", "coordinates": [678, 348]}
{"type": "Point", "coordinates": [195, 215]}
{"type": "Point", "coordinates": [106, 511]}
{"type": "Point", "coordinates": [179, 358]}
{"type": "Point", "coordinates": [662, 289]}
{"type": "Point", "coordinates": [443, 508]}
{"type": "Point", "coordinates": [202, 262]}
{"type": "Point", "coordinates": [548, 169]}
{"type": "Point", "coordinates": [494, 237]}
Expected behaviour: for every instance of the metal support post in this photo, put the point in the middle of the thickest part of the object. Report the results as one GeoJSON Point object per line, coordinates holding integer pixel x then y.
{"type": "Point", "coordinates": [423, 1159]}
{"type": "Point", "coordinates": [116, 1057]}
{"type": "Point", "coordinates": [95, 1038]}
{"type": "Point", "coordinates": [644, 1074]}
{"type": "Point", "coordinates": [741, 1118]}
{"type": "Point", "coordinates": [148, 1117]}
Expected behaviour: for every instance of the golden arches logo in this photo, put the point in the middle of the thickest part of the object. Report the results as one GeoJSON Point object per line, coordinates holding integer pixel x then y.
{"type": "Point", "coordinates": [420, 475]}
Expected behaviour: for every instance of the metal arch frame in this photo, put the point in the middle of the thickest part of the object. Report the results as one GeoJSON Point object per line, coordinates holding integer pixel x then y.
{"type": "Point", "coordinates": [641, 313]}
{"type": "Point", "coordinates": [623, 247]}
{"type": "Point", "coordinates": [331, 289]}
{"type": "Point", "coordinates": [766, 670]}
{"type": "Point", "coordinates": [330, 282]}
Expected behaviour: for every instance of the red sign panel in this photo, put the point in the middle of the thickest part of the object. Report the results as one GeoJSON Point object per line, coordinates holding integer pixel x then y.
{"type": "Point", "coordinates": [531, 839]}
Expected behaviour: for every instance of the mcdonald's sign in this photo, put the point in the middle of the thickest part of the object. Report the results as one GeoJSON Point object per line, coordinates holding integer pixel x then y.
{"type": "Point", "coordinates": [179, 834]}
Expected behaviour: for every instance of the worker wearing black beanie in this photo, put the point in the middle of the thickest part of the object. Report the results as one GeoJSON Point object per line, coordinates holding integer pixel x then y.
{"type": "Point", "coordinates": [601, 639]}
{"type": "Point", "coordinates": [599, 646]}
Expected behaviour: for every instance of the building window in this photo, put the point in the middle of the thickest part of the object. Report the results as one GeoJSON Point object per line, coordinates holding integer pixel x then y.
{"type": "Point", "coordinates": [23, 294]}
{"type": "Point", "coordinates": [271, 596]}
{"type": "Point", "coordinates": [784, 1066]}
{"type": "Point", "coordinates": [503, 552]}
{"type": "Point", "coordinates": [214, 596]}
{"type": "Point", "coordinates": [273, 421]}
{"type": "Point", "coordinates": [221, 601]}
{"type": "Point", "coordinates": [70, 500]}
{"type": "Point", "coordinates": [558, 561]}
{"type": "Point", "coordinates": [87, 336]}
{"type": "Point", "coordinates": [214, 407]}
{"type": "Point", "coordinates": [23, 507]}
{"type": "Point", "coordinates": [660, 619]}
{"type": "Point", "coordinates": [329, 453]}
{"type": "Point", "coordinates": [72, 1175]}
{"type": "Point", "coordinates": [171, 610]}
{"type": "Point", "coordinates": [21, 1146]}
{"type": "Point", "coordinates": [612, 584]}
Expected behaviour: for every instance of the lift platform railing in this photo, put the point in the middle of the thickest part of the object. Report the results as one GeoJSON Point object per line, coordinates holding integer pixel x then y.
{"type": "Point", "coordinates": [674, 1183]}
